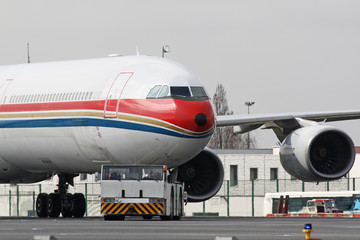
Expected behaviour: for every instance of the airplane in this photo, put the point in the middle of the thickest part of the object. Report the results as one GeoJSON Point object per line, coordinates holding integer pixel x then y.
{"type": "Point", "coordinates": [70, 117]}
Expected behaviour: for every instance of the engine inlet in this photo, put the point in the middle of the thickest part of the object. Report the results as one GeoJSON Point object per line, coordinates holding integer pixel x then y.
{"type": "Point", "coordinates": [330, 153]}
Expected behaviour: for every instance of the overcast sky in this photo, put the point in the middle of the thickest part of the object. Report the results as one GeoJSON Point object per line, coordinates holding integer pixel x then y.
{"type": "Point", "coordinates": [287, 56]}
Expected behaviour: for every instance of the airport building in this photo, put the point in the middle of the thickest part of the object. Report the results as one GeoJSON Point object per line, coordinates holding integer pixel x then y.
{"type": "Point", "coordinates": [248, 175]}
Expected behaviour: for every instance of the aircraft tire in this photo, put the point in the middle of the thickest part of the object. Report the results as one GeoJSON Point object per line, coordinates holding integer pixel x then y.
{"type": "Point", "coordinates": [53, 205]}
{"type": "Point", "coordinates": [67, 211]}
{"type": "Point", "coordinates": [79, 205]}
{"type": "Point", "coordinates": [41, 205]}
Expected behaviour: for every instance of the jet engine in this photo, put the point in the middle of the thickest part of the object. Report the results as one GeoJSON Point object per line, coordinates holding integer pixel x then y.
{"type": "Point", "coordinates": [203, 176]}
{"type": "Point", "coordinates": [317, 153]}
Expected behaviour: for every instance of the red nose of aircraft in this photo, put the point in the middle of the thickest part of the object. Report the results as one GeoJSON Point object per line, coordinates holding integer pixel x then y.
{"type": "Point", "coordinates": [195, 116]}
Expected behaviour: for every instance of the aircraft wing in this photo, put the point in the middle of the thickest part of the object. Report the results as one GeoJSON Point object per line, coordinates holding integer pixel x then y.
{"type": "Point", "coordinates": [256, 119]}
{"type": "Point", "coordinates": [282, 123]}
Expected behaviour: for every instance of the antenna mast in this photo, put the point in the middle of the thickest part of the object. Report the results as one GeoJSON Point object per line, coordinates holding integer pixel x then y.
{"type": "Point", "coordinates": [28, 52]}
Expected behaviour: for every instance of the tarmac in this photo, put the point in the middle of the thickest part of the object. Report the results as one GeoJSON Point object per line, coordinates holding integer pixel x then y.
{"type": "Point", "coordinates": [133, 228]}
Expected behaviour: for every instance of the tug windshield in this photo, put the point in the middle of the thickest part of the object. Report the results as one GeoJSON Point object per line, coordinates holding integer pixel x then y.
{"type": "Point", "coordinates": [138, 173]}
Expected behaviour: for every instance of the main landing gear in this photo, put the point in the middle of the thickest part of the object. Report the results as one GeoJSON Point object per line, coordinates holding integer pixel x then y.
{"type": "Point", "coordinates": [60, 201]}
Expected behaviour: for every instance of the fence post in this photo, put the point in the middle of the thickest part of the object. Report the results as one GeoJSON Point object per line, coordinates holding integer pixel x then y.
{"type": "Point", "coordinates": [9, 203]}
{"type": "Point", "coordinates": [86, 200]}
{"type": "Point", "coordinates": [277, 185]}
{"type": "Point", "coordinates": [17, 200]}
{"type": "Point", "coordinates": [303, 186]}
{"type": "Point", "coordinates": [252, 199]}
{"type": "Point", "coordinates": [228, 198]}
{"type": "Point", "coordinates": [33, 204]}
{"type": "Point", "coordinates": [327, 186]}
{"type": "Point", "coordinates": [203, 208]}
{"type": "Point", "coordinates": [39, 188]}
{"type": "Point", "coordinates": [353, 184]}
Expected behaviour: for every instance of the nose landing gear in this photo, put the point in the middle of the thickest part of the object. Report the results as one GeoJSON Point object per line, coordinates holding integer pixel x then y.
{"type": "Point", "coordinates": [69, 205]}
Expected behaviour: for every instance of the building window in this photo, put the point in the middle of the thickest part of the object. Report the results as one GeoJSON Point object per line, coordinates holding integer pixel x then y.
{"type": "Point", "coordinates": [83, 176]}
{"type": "Point", "coordinates": [273, 173]}
{"type": "Point", "coordinates": [253, 173]}
{"type": "Point", "coordinates": [233, 175]}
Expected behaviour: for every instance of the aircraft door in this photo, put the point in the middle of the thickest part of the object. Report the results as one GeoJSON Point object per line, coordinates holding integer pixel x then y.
{"type": "Point", "coordinates": [113, 97]}
{"type": "Point", "coordinates": [3, 87]}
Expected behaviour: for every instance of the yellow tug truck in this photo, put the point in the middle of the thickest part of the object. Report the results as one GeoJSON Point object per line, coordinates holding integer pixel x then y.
{"type": "Point", "coordinates": [138, 190]}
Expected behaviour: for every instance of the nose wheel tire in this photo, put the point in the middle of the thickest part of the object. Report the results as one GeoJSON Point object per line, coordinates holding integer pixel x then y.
{"type": "Point", "coordinates": [79, 205]}
{"type": "Point", "coordinates": [53, 205]}
{"type": "Point", "coordinates": [50, 205]}
{"type": "Point", "coordinates": [67, 206]}
{"type": "Point", "coordinates": [41, 205]}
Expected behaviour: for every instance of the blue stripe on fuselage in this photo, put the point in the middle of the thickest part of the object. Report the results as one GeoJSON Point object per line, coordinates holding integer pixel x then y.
{"type": "Point", "coordinates": [86, 122]}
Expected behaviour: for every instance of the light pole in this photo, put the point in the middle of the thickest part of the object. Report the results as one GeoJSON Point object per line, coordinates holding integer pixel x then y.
{"type": "Point", "coordinates": [165, 49]}
{"type": "Point", "coordinates": [248, 104]}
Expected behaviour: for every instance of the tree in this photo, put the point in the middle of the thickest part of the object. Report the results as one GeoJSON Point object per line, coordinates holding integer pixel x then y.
{"type": "Point", "coordinates": [224, 138]}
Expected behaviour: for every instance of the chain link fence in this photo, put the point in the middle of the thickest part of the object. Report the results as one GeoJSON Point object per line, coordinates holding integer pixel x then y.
{"type": "Point", "coordinates": [235, 198]}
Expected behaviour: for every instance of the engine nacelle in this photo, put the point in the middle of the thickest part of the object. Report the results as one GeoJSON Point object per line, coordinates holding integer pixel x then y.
{"type": "Point", "coordinates": [203, 176]}
{"type": "Point", "coordinates": [317, 153]}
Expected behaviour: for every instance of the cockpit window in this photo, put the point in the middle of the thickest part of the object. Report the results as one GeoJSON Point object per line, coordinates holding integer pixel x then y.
{"type": "Point", "coordinates": [154, 91]}
{"type": "Point", "coordinates": [180, 91]}
{"type": "Point", "coordinates": [198, 92]}
{"type": "Point", "coordinates": [164, 92]}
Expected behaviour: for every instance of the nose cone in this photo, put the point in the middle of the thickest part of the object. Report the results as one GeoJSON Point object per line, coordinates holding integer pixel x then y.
{"type": "Point", "coordinates": [195, 116]}
{"type": "Point", "coordinates": [200, 119]}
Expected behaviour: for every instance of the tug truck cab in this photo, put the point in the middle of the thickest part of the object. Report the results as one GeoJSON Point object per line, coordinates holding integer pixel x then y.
{"type": "Point", "coordinates": [138, 190]}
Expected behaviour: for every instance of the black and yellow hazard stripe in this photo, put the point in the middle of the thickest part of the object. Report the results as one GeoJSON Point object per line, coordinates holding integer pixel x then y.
{"type": "Point", "coordinates": [132, 208]}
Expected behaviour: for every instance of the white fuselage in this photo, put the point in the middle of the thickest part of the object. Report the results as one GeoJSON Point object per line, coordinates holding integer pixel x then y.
{"type": "Point", "coordinates": [72, 117]}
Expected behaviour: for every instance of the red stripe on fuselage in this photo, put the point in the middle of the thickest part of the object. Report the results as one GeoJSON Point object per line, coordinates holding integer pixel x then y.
{"type": "Point", "coordinates": [53, 106]}
{"type": "Point", "coordinates": [178, 112]}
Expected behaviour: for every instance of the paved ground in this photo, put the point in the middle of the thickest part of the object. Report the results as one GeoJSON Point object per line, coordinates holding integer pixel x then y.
{"type": "Point", "coordinates": [188, 228]}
